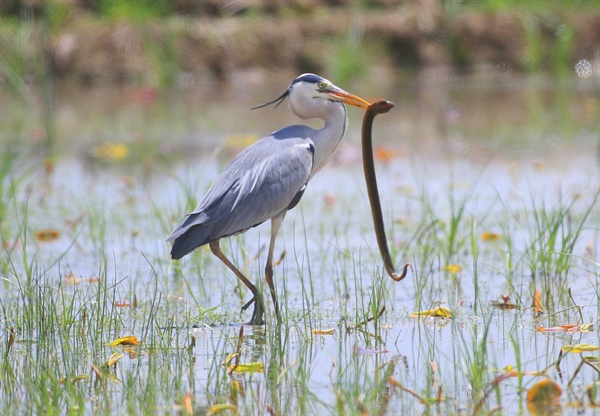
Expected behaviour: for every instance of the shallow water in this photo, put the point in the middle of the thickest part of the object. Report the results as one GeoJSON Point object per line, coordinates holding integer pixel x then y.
{"type": "Point", "coordinates": [505, 145]}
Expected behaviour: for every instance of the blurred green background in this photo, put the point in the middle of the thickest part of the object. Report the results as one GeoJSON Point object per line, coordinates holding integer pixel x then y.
{"type": "Point", "coordinates": [155, 41]}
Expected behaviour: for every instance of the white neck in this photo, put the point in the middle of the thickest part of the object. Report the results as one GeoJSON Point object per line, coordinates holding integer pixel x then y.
{"type": "Point", "coordinates": [330, 136]}
{"type": "Point", "coordinates": [305, 105]}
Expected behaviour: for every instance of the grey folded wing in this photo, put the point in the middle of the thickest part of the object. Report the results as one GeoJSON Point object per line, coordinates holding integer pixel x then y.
{"type": "Point", "coordinates": [261, 182]}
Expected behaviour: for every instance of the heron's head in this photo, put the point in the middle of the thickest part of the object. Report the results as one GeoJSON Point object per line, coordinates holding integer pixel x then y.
{"type": "Point", "coordinates": [310, 96]}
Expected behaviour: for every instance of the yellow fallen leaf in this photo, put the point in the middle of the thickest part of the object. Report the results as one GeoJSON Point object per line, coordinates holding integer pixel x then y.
{"type": "Point", "coordinates": [187, 404]}
{"type": "Point", "coordinates": [237, 390]}
{"type": "Point", "coordinates": [580, 348]}
{"type": "Point", "coordinates": [543, 396]}
{"type": "Point", "coordinates": [453, 268]}
{"type": "Point", "coordinates": [71, 279]}
{"type": "Point", "coordinates": [77, 379]}
{"type": "Point", "coordinates": [587, 327]}
{"type": "Point", "coordinates": [489, 236]}
{"type": "Point", "coordinates": [112, 377]}
{"type": "Point", "coordinates": [131, 352]}
{"type": "Point", "coordinates": [111, 152]}
{"type": "Point", "coordinates": [538, 309]}
{"type": "Point", "coordinates": [230, 358]}
{"type": "Point", "coordinates": [112, 360]}
{"type": "Point", "coordinates": [330, 331]}
{"type": "Point", "coordinates": [505, 306]}
{"type": "Point", "coordinates": [217, 408]}
{"type": "Point", "coordinates": [440, 311]}
{"type": "Point", "coordinates": [81, 378]}
{"type": "Point", "coordinates": [129, 340]}
{"type": "Point", "coordinates": [46, 235]}
{"type": "Point", "coordinates": [510, 371]}
{"type": "Point", "coordinates": [123, 304]}
{"type": "Point", "coordinates": [253, 367]}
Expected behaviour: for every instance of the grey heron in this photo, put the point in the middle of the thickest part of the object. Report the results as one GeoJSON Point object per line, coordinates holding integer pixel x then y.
{"type": "Point", "coordinates": [268, 178]}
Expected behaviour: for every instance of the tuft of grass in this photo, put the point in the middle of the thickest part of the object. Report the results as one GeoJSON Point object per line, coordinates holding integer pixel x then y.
{"type": "Point", "coordinates": [54, 349]}
{"type": "Point", "coordinates": [554, 237]}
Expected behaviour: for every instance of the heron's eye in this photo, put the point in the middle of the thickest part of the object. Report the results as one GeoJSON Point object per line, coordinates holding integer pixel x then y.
{"type": "Point", "coordinates": [321, 85]}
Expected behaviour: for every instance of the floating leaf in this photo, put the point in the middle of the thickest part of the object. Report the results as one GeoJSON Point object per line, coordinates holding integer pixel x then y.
{"type": "Point", "coordinates": [217, 408]}
{"type": "Point", "coordinates": [453, 268]}
{"type": "Point", "coordinates": [112, 360]}
{"type": "Point", "coordinates": [253, 367]}
{"type": "Point", "coordinates": [112, 377]}
{"type": "Point", "coordinates": [587, 327]}
{"type": "Point", "coordinates": [440, 311]}
{"type": "Point", "coordinates": [543, 396]}
{"type": "Point", "coordinates": [510, 371]}
{"type": "Point", "coordinates": [46, 235]}
{"type": "Point", "coordinates": [538, 309]}
{"type": "Point", "coordinates": [549, 329]}
{"type": "Point", "coordinates": [580, 348]}
{"type": "Point", "coordinates": [82, 378]}
{"type": "Point", "coordinates": [123, 304]}
{"type": "Point", "coordinates": [129, 340]}
{"type": "Point", "coordinates": [490, 236]}
{"type": "Point", "coordinates": [111, 152]}
{"type": "Point", "coordinates": [330, 331]}
{"type": "Point", "coordinates": [71, 279]}
{"type": "Point", "coordinates": [504, 305]}
{"type": "Point", "coordinates": [565, 328]}
{"type": "Point", "coordinates": [131, 352]}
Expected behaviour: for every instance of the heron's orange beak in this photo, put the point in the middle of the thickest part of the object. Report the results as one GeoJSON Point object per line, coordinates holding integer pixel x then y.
{"type": "Point", "coordinates": [348, 98]}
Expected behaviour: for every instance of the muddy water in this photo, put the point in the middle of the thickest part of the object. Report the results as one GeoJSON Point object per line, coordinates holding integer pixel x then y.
{"type": "Point", "coordinates": [502, 142]}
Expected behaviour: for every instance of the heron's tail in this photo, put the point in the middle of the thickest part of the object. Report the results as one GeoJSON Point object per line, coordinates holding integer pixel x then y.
{"type": "Point", "coordinates": [188, 241]}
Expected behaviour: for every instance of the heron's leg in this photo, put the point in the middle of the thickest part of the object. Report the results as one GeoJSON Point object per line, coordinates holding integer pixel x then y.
{"type": "Point", "coordinates": [258, 314]}
{"type": "Point", "coordinates": [275, 224]}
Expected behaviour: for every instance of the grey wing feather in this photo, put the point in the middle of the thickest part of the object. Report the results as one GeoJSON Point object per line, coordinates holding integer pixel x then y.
{"type": "Point", "coordinates": [262, 181]}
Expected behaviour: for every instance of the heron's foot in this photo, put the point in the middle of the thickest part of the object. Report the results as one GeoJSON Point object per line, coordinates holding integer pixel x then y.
{"type": "Point", "coordinates": [247, 305]}
{"type": "Point", "coordinates": [258, 316]}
